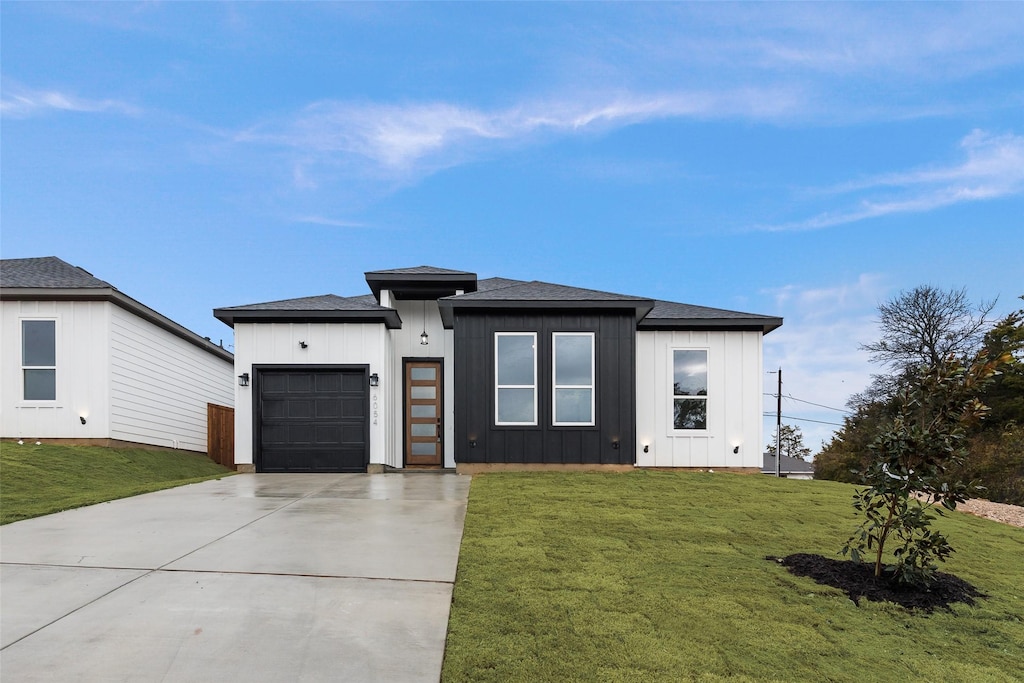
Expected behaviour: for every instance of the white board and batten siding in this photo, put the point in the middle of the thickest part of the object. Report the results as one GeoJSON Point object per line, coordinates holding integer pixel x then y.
{"type": "Point", "coordinates": [326, 344]}
{"type": "Point", "coordinates": [82, 369]}
{"type": "Point", "coordinates": [735, 381]}
{"type": "Point", "coordinates": [160, 385]}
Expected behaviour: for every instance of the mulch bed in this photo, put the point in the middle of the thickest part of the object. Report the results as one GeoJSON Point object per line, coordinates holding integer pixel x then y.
{"type": "Point", "coordinates": [857, 580]}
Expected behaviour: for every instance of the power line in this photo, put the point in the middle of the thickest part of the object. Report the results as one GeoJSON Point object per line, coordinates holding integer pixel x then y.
{"type": "Point", "coordinates": [793, 398]}
{"type": "Point", "coordinates": [804, 419]}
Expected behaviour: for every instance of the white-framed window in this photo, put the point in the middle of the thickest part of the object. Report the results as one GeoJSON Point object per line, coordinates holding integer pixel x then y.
{"type": "Point", "coordinates": [515, 378]}
{"type": "Point", "coordinates": [689, 389]}
{"type": "Point", "coordinates": [39, 360]}
{"type": "Point", "coordinates": [572, 371]}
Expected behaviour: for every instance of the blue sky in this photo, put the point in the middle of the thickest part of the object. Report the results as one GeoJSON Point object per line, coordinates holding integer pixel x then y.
{"type": "Point", "coordinates": [801, 160]}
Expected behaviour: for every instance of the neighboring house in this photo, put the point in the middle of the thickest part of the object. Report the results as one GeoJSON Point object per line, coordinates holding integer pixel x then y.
{"type": "Point", "coordinates": [792, 468]}
{"type": "Point", "coordinates": [436, 369]}
{"type": "Point", "coordinates": [82, 361]}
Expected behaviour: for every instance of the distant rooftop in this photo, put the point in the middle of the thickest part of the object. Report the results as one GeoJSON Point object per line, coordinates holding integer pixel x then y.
{"type": "Point", "coordinates": [47, 272]}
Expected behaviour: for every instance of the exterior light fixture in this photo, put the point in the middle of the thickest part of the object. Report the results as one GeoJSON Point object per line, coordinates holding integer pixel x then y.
{"type": "Point", "coordinates": [424, 337]}
{"type": "Point", "coordinates": [243, 379]}
{"type": "Point", "coordinates": [647, 448]}
{"type": "Point", "coordinates": [472, 443]}
{"type": "Point", "coordinates": [736, 449]}
{"type": "Point", "coordinates": [303, 344]}
{"type": "Point", "coordinates": [615, 443]}
{"type": "Point", "coordinates": [374, 380]}
{"type": "Point", "coordinates": [82, 418]}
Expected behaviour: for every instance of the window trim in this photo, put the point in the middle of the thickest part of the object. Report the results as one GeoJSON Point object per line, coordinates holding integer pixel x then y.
{"type": "Point", "coordinates": [672, 393]}
{"type": "Point", "coordinates": [498, 387]}
{"type": "Point", "coordinates": [22, 367]}
{"type": "Point", "coordinates": [555, 386]}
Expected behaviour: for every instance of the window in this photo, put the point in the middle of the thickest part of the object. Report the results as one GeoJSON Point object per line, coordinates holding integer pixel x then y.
{"type": "Point", "coordinates": [573, 373]}
{"type": "Point", "coordinates": [515, 370]}
{"type": "Point", "coordinates": [39, 359]}
{"type": "Point", "coordinates": [689, 389]}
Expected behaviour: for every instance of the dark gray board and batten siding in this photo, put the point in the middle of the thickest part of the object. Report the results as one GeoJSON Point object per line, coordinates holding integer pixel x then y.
{"type": "Point", "coordinates": [615, 403]}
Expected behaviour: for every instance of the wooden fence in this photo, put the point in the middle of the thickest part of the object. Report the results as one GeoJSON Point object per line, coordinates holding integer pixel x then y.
{"type": "Point", "coordinates": [220, 434]}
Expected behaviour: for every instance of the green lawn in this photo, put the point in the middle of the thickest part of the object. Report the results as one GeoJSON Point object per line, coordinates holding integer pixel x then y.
{"type": "Point", "coordinates": [661, 576]}
{"type": "Point", "coordinates": [38, 480]}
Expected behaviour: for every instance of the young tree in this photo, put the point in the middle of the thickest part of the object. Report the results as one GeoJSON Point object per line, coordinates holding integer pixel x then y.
{"type": "Point", "coordinates": [910, 457]}
{"type": "Point", "coordinates": [791, 442]}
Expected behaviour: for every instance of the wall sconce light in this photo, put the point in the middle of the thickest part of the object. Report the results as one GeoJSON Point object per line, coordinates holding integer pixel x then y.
{"type": "Point", "coordinates": [647, 448]}
{"type": "Point", "coordinates": [374, 380]}
{"type": "Point", "coordinates": [736, 449]}
{"type": "Point", "coordinates": [303, 344]}
{"type": "Point", "coordinates": [615, 443]}
{"type": "Point", "coordinates": [472, 443]}
{"type": "Point", "coordinates": [424, 337]}
{"type": "Point", "coordinates": [243, 379]}
{"type": "Point", "coordinates": [82, 418]}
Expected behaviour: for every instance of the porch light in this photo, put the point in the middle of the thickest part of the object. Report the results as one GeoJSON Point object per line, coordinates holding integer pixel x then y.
{"type": "Point", "coordinates": [423, 335]}
{"type": "Point", "coordinates": [615, 442]}
{"type": "Point", "coordinates": [243, 379]}
{"type": "Point", "coordinates": [374, 380]}
{"type": "Point", "coordinates": [82, 418]}
{"type": "Point", "coordinates": [736, 449]}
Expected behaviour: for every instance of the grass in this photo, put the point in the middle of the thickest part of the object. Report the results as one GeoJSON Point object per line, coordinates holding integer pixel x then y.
{"type": "Point", "coordinates": [661, 576]}
{"type": "Point", "coordinates": [38, 480]}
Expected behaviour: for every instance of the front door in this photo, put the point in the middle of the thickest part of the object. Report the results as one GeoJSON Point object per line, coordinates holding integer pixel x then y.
{"type": "Point", "coordinates": [423, 413]}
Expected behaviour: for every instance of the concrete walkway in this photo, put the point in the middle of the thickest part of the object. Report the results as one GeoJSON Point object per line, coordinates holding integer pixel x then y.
{"type": "Point", "coordinates": [254, 577]}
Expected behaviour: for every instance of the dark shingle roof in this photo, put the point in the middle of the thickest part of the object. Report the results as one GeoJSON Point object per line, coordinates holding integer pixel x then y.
{"type": "Point", "coordinates": [47, 272]}
{"type": "Point", "coordinates": [490, 283]}
{"type": "Point", "coordinates": [323, 308]}
{"type": "Point", "coordinates": [669, 314]}
{"type": "Point", "coordinates": [323, 302]}
{"type": "Point", "coordinates": [420, 270]}
{"type": "Point", "coordinates": [544, 291]}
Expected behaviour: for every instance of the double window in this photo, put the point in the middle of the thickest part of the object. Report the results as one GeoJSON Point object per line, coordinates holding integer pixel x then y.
{"type": "Point", "coordinates": [572, 381]}
{"type": "Point", "coordinates": [689, 389]}
{"type": "Point", "coordinates": [39, 359]}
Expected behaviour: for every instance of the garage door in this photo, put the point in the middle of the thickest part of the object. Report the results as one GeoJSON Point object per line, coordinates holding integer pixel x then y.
{"type": "Point", "coordinates": [312, 420]}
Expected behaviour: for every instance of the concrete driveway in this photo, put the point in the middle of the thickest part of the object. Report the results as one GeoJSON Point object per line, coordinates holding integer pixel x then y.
{"type": "Point", "coordinates": [257, 577]}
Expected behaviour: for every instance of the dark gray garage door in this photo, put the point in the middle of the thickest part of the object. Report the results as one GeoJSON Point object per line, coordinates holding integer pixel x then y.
{"type": "Point", "coordinates": [312, 420]}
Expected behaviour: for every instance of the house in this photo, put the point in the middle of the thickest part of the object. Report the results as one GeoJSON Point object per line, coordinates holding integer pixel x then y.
{"type": "Point", "coordinates": [793, 468]}
{"type": "Point", "coordinates": [83, 362]}
{"type": "Point", "coordinates": [436, 368]}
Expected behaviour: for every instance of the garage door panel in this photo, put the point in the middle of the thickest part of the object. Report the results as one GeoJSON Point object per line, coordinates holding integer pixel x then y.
{"type": "Point", "coordinates": [313, 420]}
{"type": "Point", "coordinates": [328, 408]}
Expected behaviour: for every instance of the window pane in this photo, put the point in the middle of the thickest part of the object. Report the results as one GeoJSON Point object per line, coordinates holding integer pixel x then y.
{"type": "Point", "coordinates": [691, 413]}
{"type": "Point", "coordinates": [424, 448]}
{"type": "Point", "coordinates": [424, 411]}
{"type": "Point", "coordinates": [422, 392]}
{"type": "Point", "coordinates": [690, 373]}
{"type": "Point", "coordinates": [422, 373]}
{"type": "Point", "coordinates": [424, 429]}
{"type": "Point", "coordinates": [574, 359]}
{"type": "Point", "coordinates": [515, 405]}
{"type": "Point", "coordinates": [573, 405]}
{"type": "Point", "coordinates": [515, 359]}
{"type": "Point", "coordinates": [39, 342]}
{"type": "Point", "coordinates": [40, 385]}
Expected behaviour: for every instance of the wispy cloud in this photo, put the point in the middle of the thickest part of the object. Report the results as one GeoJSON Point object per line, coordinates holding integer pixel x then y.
{"type": "Point", "coordinates": [992, 167]}
{"type": "Point", "coordinates": [330, 222]}
{"type": "Point", "coordinates": [421, 137]}
{"type": "Point", "coordinates": [20, 102]}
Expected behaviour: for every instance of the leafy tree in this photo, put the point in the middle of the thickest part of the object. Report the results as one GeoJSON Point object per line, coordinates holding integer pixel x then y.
{"type": "Point", "coordinates": [791, 442]}
{"type": "Point", "coordinates": [910, 458]}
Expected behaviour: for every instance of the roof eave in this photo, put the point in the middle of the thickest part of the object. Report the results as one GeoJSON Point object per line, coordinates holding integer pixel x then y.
{"type": "Point", "coordinates": [383, 280]}
{"type": "Point", "coordinates": [447, 306]}
{"type": "Point", "coordinates": [388, 317]}
{"type": "Point", "coordinates": [764, 325]}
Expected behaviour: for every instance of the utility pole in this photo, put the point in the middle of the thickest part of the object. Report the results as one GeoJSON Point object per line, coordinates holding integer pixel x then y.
{"type": "Point", "coordinates": [778, 428]}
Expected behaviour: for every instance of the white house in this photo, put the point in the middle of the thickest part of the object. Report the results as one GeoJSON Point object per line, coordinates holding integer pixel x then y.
{"type": "Point", "coordinates": [83, 362]}
{"type": "Point", "coordinates": [437, 369]}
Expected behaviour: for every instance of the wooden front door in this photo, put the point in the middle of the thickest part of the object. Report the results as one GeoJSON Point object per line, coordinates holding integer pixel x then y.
{"type": "Point", "coordinates": [423, 445]}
